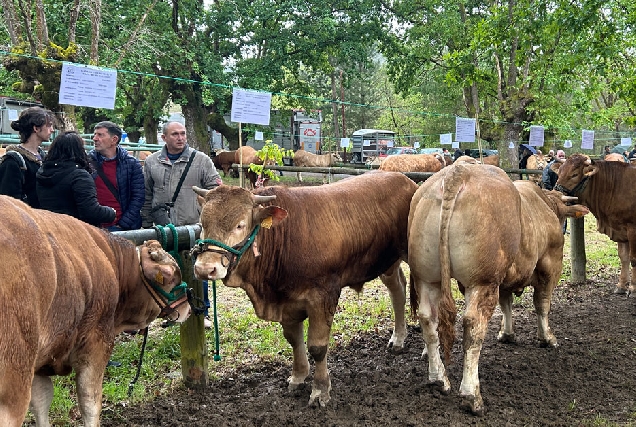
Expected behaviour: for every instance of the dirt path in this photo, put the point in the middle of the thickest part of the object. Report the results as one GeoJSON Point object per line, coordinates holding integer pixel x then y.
{"type": "Point", "coordinates": [590, 375]}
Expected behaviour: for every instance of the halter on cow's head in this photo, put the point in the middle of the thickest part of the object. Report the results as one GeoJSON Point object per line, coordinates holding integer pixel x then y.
{"type": "Point", "coordinates": [231, 218]}
{"type": "Point", "coordinates": [574, 174]}
{"type": "Point", "coordinates": [161, 276]}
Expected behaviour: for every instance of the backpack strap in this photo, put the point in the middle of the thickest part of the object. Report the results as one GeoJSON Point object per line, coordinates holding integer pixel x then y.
{"type": "Point", "coordinates": [15, 156]}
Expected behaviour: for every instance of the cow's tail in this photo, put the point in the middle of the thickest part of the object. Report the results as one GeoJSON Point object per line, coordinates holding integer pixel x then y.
{"type": "Point", "coordinates": [450, 189]}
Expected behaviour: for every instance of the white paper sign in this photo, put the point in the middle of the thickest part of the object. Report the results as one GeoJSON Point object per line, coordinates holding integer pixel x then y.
{"type": "Point", "coordinates": [13, 114]}
{"type": "Point", "coordinates": [416, 144]}
{"type": "Point", "coordinates": [344, 142]}
{"type": "Point", "coordinates": [465, 129]}
{"type": "Point", "coordinates": [567, 143]}
{"type": "Point", "coordinates": [536, 136]}
{"type": "Point", "coordinates": [511, 145]}
{"type": "Point", "coordinates": [250, 106]}
{"type": "Point", "coordinates": [587, 139]}
{"type": "Point", "coordinates": [88, 86]}
{"type": "Point", "coordinates": [446, 138]}
{"type": "Point", "coordinates": [455, 144]}
{"type": "Point", "coordinates": [258, 135]}
{"type": "Point", "coordinates": [366, 143]}
{"type": "Point", "coordinates": [626, 142]}
{"type": "Point", "coordinates": [389, 144]}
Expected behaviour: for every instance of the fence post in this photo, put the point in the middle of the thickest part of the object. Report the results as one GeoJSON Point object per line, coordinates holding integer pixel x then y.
{"type": "Point", "coordinates": [194, 351]}
{"type": "Point", "coordinates": [577, 249]}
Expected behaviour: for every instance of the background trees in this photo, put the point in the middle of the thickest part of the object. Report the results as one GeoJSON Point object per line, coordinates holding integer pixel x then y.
{"type": "Point", "coordinates": [407, 65]}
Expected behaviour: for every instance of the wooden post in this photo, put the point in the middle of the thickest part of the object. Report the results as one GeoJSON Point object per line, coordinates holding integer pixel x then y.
{"type": "Point", "coordinates": [194, 351]}
{"type": "Point", "coordinates": [577, 249]}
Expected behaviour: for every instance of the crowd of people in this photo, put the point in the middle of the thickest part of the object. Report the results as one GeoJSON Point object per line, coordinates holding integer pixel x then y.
{"type": "Point", "coordinates": [106, 187]}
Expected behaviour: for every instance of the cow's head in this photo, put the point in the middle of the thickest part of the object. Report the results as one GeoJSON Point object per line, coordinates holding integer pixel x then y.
{"type": "Point", "coordinates": [162, 277]}
{"type": "Point", "coordinates": [563, 207]}
{"type": "Point", "coordinates": [574, 173]}
{"type": "Point", "coordinates": [230, 220]}
{"type": "Point", "coordinates": [335, 158]}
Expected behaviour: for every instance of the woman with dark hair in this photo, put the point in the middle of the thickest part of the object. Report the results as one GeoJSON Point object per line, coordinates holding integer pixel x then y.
{"type": "Point", "coordinates": [22, 161]}
{"type": "Point", "coordinates": [65, 184]}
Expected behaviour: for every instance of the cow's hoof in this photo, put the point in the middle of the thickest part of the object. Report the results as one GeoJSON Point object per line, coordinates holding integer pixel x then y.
{"type": "Point", "coordinates": [320, 397]}
{"type": "Point", "coordinates": [474, 404]}
{"type": "Point", "coordinates": [507, 338]}
{"type": "Point", "coordinates": [294, 383]}
{"type": "Point", "coordinates": [443, 386]}
{"type": "Point", "coordinates": [620, 291]}
{"type": "Point", "coordinates": [549, 343]}
{"type": "Point", "coordinates": [396, 349]}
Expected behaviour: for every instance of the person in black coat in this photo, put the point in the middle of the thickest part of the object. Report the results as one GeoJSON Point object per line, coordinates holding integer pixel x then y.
{"type": "Point", "coordinates": [65, 185]}
{"type": "Point", "coordinates": [22, 161]}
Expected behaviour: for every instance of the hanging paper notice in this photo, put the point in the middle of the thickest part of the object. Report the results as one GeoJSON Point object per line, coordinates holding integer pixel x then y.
{"type": "Point", "coordinates": [567, 143]}
{"type": "Point", "coordinates": [536, 136]}
{"type": "Point", "coordinates": [626, 142]}
{"type": "Point", "coordinates": [587, 139]}
{"type": "Point", "coordinates": [389, 143]}
{"type": "Point", "coordinates": [344, 142]}
{"type": "Point", "coordinates": [88, 86]}
{"type": "Point", "coordinates": [250, 106]}
{"type": "Point", "coordinates": [455, 144]}
{"type": "Point", "coordinates": [258, 135]}
{"type": "Point", "coordinates": [366, 143]}
{"type": "Point", "coordinates": [446, 138]}
{"type": "Point", "coordinates": [416, 144]}
{"type": "Point", "coordinates": [464, 129]}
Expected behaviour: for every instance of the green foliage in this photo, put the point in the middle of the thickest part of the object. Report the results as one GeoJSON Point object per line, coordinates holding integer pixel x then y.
{"type": "Point", "coordinates": [270, 154]}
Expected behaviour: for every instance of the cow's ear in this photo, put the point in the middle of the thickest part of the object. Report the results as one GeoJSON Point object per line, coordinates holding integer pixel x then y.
{"type": "Point", "coordinates": [590, 170]}
{"type": "Point", "coordinates": [269, 216]}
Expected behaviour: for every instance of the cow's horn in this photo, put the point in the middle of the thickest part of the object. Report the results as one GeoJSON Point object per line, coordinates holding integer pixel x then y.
{"type": "Point", "coordinates": [569, 198]}
{"type": "Point", "coordinates": [262, 199]}
{"type": "Point", "coordinates": [200, 191]}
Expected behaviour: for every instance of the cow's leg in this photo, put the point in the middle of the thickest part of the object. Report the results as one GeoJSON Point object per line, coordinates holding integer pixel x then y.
{"type": "Point", "coordinates": [41, 398]}
{"type": "Point", "coordinates": [542, 299]}
{"type": "Point", "coordinates": [480, 304]}
{"type": "Point", "coordinates": [624, 279]}
{"type": "Point", "coordinates": [299, 177]}
{"type": "Point", "coordinates": [293, 332]}
{"type": "Point", "coordinates": [507, 330]}
{"type": "Point", "coordinates": [15, 391]}
{"type": "Point", "coordinates": [395, 282]}
{"type": "Point", "coordinates": [318, 345]}
{"type": "Point", "coordinates": [631, 235]}
{"type": "Point", "coordinates": [89, 376]}
{"type": "Point", "coordinates": [427, 313]}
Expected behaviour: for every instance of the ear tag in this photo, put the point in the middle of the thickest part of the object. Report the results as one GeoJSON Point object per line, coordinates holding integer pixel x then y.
{"type": "Point", "coordinates": [267, 222]}
{"type": "Point", "coordinates": [159, 277]}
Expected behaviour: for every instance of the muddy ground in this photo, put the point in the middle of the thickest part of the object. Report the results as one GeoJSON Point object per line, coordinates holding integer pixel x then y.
{"type": "Point", "coordinates": [589, 377]}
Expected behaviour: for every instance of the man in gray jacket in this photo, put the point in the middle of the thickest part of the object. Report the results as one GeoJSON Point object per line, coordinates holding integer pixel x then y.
{"type": "Point", "coordinates": [162, 172]}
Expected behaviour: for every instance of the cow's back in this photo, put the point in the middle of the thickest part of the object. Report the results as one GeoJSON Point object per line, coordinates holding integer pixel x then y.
{"type": "Point", "coordinates": [349, 231]}
{"type": "Point", "coordinates": [50, 261]}
{"type": "Point", "coordinates": [483, 223]}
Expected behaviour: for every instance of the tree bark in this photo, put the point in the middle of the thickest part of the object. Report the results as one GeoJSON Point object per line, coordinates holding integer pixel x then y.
{"type": "Point", "coordinates": [43, 31]}
{"type": "Point", "coordinates": [13, 23]}
{"type": "Point", "coordinates": [96, 16]}
{"type": "Point", "coordinates": [72, 23]}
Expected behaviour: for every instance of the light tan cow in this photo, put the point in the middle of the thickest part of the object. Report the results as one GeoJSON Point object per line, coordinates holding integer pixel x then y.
{"type": "Point", "coordinates": [68, 289]}
{"type": "Point", "coordinates": [306, 159]}
{"type": "Point", "coordinates": [494, 243]}
{"type": "Point", "coordinates": [413, 163]}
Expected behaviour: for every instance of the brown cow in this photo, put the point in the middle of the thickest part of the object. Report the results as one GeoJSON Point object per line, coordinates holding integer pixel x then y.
{"type": "Point", "coordinates": [68, 289]}
{"type": "Point", "coordinates": [494, 243]}
{"type": "Point", "coordinates": [249, 156]}
{"type": "Point", "coordinates": [607, 187]}
{"type": "Point", "coordinates": [223, 160]}
{"type": "Point", "coordinates": [306, 159]}
{"type": "Point", "coordinates": [335, 235]}
{"type": "Point", "coordinates": [413, 163]}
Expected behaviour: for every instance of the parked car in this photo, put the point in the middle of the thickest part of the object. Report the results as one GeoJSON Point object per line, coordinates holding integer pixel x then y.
{"type": "Point", "coordinates": [473, 152]}
{"type": "Point", "coordinates": [429, 150]}
{"type": "Point", "coordinates": [400, 150]}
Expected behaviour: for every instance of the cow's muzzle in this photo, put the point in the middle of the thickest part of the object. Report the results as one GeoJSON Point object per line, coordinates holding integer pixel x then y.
{"type": "Point", "coordinates": [230, 255]}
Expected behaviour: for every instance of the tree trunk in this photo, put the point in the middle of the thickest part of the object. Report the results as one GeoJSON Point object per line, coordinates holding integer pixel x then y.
{"type": "Point", "coordinates": [72, 23]}
{"type": "Point", "coordinates": [334, 107]}
{"type": "Point", "coordinates": [13, 23]}
{"type": "Point", "coordinates": [43, 31]}
{"type": "Point", "coordinates": [96, 16]}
